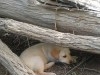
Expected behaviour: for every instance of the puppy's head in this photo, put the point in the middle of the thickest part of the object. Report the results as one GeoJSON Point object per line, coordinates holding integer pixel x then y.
{"type": "Point", "coordinates": [63, 55]}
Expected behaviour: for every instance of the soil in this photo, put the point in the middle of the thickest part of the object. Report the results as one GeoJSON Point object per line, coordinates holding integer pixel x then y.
{"type": "Point", "coordinates": [3, 71]}
{"type": "Point", "coordinates": [89, 67]}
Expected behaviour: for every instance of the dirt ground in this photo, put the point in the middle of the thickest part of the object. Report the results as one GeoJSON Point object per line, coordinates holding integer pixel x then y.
{"type": "Point", "coordinates": [3, 71]}
{"type": "Point", "coordinates": [87, 64]}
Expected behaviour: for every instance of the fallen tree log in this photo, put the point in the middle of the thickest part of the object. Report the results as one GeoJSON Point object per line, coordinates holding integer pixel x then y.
{"type": "Point", "coordinates": [84, 43]}
{"type": "Point", "coordinates": [78, 22]}
{"type": "Point", "coordinates": [11, 61]}
{"type": "Point", "coordinates": [94, 5]}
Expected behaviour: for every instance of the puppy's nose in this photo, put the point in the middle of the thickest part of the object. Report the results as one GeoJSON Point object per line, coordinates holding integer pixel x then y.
{"type": "Point", "coordinates": [70, 61]}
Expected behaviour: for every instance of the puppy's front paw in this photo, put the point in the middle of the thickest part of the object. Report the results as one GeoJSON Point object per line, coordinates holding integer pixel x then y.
{"type": "Point", "coordinates": [48, 73]}
{"type": "Point", "coordinates": [52, 63]}
{"type": "Point", "coordinates": [51, 74]}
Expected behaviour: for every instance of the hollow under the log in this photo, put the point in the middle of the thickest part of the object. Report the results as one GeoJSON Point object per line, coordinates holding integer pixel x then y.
{"type": "Point", "coordinates": [90, 67]}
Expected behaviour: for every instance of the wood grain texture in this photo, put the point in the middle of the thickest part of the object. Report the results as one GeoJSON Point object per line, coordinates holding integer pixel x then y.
{"type": "Point", "coordinates": [11, 61]}
{"type": "Point", "coordinates": [84, 43]}
{"type": "Point", "coordinates": [77, 22]}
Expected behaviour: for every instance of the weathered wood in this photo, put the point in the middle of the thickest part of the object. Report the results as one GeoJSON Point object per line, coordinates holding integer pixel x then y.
{"type": "Point", "coordinates": [67, 21]}
{"type": "Point", "coordinates": [11, 61]}
{"type": "Point", "coordinates": [90, 4]}
{"type": "Point", "coordinates": [84, 43]}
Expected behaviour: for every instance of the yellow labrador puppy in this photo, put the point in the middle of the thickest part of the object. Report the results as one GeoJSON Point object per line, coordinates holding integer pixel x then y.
{"type": "Point", "coordinates": [43, 56]}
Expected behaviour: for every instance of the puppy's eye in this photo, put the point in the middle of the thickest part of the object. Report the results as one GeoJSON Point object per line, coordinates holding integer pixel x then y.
{"type": "Point", "coordinates": [64, 56]}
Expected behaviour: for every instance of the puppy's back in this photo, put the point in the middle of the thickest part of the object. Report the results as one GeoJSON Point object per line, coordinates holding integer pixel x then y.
{"type": "Point", "coordinates": [33, 55]}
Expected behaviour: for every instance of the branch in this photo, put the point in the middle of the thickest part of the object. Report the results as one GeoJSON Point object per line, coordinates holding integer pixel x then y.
{"type": "Point", "coordinates": [78, 22]}
{"type": "Point", "coordinates": [11, 61]}
{"type": "Point", "coordinates": [84, 43]}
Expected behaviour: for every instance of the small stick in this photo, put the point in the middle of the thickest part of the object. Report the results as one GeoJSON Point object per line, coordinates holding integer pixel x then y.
{"type": "Point", "coordinates": [28, 41]}
{"type": "Point", "coordinates": [56, 18]}
{"type": "Point", "coordinates": [90, 69]}
{"type": "Point", "coordinates": [56, 14]}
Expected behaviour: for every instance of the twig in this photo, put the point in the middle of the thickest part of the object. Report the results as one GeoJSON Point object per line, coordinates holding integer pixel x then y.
{"type": "Point", "coordinates": [90, 69]}
{"type": "Point", "coordinates": [28, 42]}
{"type": "Point", "coordinates": [83, 61]}
{"type": "Point", "coordinates": [56, 14]}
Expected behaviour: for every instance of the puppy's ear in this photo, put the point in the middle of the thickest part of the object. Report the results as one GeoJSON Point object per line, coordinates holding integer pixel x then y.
{"type": "Point", "coordinates": [55, 53]}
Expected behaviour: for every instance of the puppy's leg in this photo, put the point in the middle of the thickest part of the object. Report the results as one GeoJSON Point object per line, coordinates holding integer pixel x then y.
{"type": "Point", "coordinates": [40, 70]}
{"type": "Point", "coordinates": [50, 64]}
{"type": "Point", "coordinates": [47, 73]}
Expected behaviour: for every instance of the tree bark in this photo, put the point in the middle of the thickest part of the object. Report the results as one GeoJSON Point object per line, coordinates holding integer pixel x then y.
{"type": "Point", "coordinates": [11, 61]}
{"type": "Point", "coordinates": [78, 22]}
{"type": "Point", "coordinates": [90, 4]}
{"type": "Point", "coordinates": [84, 43]}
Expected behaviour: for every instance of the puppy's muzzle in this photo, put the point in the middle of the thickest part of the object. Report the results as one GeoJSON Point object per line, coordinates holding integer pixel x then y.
{"type": "Point", "coordinates": [71, 62]}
